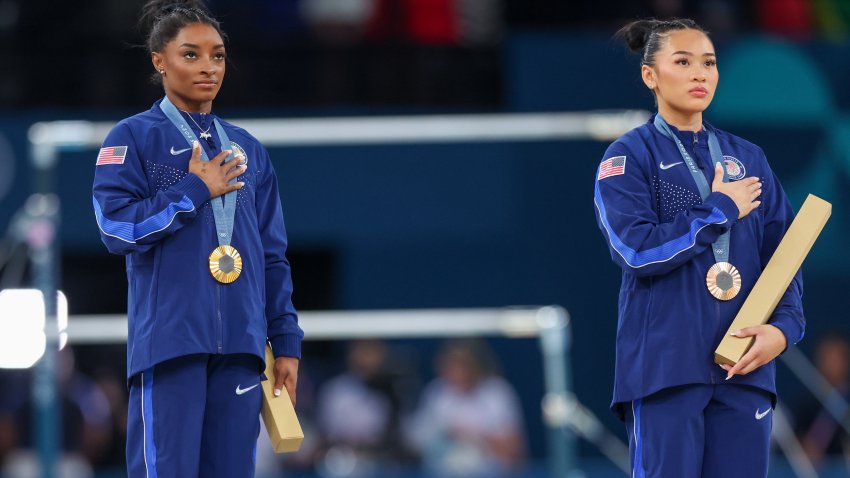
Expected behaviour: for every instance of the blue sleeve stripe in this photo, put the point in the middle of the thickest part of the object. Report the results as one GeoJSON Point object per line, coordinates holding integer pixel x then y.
{"type": "Point", "coordinates": [130, 232]}
{"type": "Point", "coordinates": [663, 252]}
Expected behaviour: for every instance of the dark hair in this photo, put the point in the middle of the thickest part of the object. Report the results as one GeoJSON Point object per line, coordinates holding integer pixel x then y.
{"type": "Point", "coordinates": [647, 35]}
{"type": "Point", "coordinates": [163, 20]}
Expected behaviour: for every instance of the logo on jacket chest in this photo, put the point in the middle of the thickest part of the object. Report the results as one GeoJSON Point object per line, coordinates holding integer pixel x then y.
{"type": "Point", "coordinates": [176, 152]}
{"type": "Point", "coordinates": [669, 165]}
{"type": "Point", "coordinates": [237, 150]}
{"type": "Point", "coordinates": [735, 168]}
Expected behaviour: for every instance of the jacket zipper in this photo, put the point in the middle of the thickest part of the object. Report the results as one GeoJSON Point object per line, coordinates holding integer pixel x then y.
{"type": "Point", "coordinates": [696, 142]}
{"type": "Point", "coordinates": [218, 325]}
{"type": "Point", "coordinates": [718, 378]}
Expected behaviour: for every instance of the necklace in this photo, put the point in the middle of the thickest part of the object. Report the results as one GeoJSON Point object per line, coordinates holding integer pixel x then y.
{"type": "Point", "coordinates": [204, 134]}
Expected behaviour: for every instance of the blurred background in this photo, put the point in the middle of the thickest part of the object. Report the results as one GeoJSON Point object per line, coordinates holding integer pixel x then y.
{"type": "Point", "coordinates": [453, 225]}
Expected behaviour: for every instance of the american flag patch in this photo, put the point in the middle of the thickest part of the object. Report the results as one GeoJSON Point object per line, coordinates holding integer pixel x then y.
{"type": "Point", "coordinates": [112, 155]}
{"type": "Point", "coordinates": [612, 167]}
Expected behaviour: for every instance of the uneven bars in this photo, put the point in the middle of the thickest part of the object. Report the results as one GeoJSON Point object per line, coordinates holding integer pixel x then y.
{"type": "Point", "coordinates": [595, 125]}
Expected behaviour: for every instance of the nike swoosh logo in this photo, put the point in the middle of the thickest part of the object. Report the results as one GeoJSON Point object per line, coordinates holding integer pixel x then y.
{"type": "Point", "coordinates": [760, 415]}
{"type": "Point", "coordinates": [178, 151]}
{"type": "Point", "coordinates": [667, 166]}
{"type": "Point", "coordinates": [241, 391]}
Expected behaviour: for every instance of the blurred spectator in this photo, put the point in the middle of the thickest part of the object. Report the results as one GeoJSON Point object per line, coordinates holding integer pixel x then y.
{"type": "Point", "coordinates": [388, 21]}
{"type": "Point", "coordinates": [114, 390]}
{"type": "Point", "coordinates": [820, 434]}
{"type": "Point", "coordinates": [432, 22]}
{"type": "Point", "coordinates": [724, 18]}
{"type": "Point", "coordinates": [359, 414]}
{"type": "Point", "coordinates": [7, 431]}
{"type": "Point", "coordinates": [338, 21]}
{"type": "Point", "coordinates": [469, 423]}
{"type": "Point", "coordinates": [435, 22]}
{"type": "Point", "coordinates": [14, 385]}
{"type": "Point", "coordinates": [785, 17]}
{"type": "Point", "coordinates": [480, 22]}
{"type": "Point", "coordinates": [86, 426]}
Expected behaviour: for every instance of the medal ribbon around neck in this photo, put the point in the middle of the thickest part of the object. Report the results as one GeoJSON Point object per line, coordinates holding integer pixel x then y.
{"type": "Point", "coordinates": [225, 261]}
{"type": "Point", "coordinates": [723, 280]}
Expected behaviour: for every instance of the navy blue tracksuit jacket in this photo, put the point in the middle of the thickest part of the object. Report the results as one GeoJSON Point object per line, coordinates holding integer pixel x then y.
{"type": "Point", "coordinates": [659, 232]}
{"type": "Point", "coordinates": [150, 209]}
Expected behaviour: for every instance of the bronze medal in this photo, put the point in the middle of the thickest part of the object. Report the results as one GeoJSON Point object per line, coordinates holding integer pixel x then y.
{"type": "Point", "coordinates": [225, 264]}
{"type": "Point", "coordinates": [723, 281]}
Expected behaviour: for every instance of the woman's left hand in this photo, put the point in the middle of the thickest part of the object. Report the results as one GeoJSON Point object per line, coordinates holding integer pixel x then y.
{"type": "Point", "coordinates": [768, 344]}
{"type": "Point", "coordinates": [286, 376]}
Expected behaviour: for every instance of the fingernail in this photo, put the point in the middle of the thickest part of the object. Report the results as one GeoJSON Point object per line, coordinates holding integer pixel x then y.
{"type": "Point", "coordinates": [735, 333]}
{"type": "Point", "coordinates": [728, 377]}
{"type": "Point", "coordinates": [276, 392]}
{"type": "Point", "coordinates": [195, 143]}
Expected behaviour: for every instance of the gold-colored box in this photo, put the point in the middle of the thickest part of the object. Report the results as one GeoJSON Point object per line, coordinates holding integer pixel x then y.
{"type": "Point", "coordinates": [279, 414]}
{"type": "Point", "coordinates": [775, 278]}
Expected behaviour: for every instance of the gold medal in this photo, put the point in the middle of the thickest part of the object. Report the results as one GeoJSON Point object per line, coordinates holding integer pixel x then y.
{"type": "Point", "coordinates": [723, 281]}
{"type": "Point", "coordinates": [225, 264]}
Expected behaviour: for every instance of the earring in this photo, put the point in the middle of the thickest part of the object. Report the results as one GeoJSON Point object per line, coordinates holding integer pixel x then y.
{"type": "Point", "coordinates": [162, 72]}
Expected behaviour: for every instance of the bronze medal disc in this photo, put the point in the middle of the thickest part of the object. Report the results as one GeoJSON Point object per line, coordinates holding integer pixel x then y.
{"type": "Point", "coordinates": [225, 264]}
{"type": "Point", "coordinates": [723, 281]}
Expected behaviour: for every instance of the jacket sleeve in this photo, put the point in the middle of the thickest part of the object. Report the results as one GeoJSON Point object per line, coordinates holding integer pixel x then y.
{"type": "Point", "coordinates": [129, 216]}
{"type": "Point", "coordinates": [778, 215]}
{"type": "Point", "coordinates": [284, 333]}
{"type": "Point", "coordinates": [639, 243]}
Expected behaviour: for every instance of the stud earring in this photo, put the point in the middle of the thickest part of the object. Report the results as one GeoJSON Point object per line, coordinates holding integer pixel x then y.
{"type": "Point", "coordinates": [161, 72]}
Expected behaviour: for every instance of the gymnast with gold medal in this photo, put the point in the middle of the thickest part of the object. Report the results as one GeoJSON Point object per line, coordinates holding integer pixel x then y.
{"type": "Point", "coordinates": [192, 202]}
{"type": "Point", "coordinates": [691, 214]}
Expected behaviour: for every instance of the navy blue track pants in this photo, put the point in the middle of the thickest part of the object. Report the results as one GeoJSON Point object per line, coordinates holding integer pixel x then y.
{"type": "Point", "coordinates": [195, 416]}
{"type": "Point", "coordinates": [707, 431]}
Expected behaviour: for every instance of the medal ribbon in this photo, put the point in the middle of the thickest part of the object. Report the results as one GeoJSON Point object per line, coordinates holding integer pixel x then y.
{"type": "Point", "coordinates": [224, 210]}
{"type": "Point", "coordinates": [720, 247]}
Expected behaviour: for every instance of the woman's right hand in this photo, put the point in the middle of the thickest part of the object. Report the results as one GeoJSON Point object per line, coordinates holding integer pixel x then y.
{"type": "Point", "coordinates": [215, 173]}
{"type": "Point", "coordinates": [743, 192]}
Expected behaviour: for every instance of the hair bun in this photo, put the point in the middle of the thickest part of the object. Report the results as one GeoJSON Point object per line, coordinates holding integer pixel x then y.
{"type": "Point", "coordinates": [154, 9]}
{"type": "Point", "coordinates": [636, 34]}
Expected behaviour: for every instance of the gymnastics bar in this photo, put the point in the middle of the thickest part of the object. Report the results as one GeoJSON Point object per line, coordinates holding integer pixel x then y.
{"type": "Point", "coordinates": [549, 324]}
{"type": "Point", "coordinates": [47, 138]}
{"type": "Point", "coordinates": [514, 322]}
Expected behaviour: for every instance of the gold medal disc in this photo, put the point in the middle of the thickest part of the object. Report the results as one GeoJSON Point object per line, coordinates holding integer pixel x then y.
{"type": "Point", "coordinates": [723, 281]}
{"type": "Point", "coordinates": [225, 264]}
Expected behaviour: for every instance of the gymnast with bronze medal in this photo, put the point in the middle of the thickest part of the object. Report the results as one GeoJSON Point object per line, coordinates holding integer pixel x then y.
{"type": "Point", "coordinates": [691, 214]}
{"type": "Point", "coordinates": [193, 203]}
